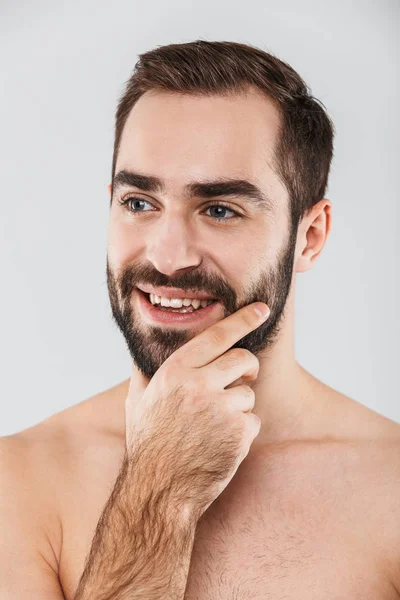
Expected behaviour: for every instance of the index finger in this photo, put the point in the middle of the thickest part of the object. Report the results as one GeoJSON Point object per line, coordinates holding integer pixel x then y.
{"type": "Point", "coordinates": [217, 339]}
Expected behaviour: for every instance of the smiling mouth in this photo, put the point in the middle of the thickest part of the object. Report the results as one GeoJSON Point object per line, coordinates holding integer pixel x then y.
{"type": "Point", "coordinates": [183, 309]}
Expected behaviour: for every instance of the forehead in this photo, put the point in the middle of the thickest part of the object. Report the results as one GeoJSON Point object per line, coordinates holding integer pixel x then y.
{"type": "Point", "coordinates": [181, 138]}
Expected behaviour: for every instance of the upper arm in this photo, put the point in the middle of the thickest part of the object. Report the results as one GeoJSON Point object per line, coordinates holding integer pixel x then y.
{"type": "Point", "coordinates": [26, 564]}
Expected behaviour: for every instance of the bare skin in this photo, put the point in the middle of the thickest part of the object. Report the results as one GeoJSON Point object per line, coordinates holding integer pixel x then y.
{"type": "Point", "coordinates": [314, 516]}
{"type": "Point", "coordinates": [313, 510]}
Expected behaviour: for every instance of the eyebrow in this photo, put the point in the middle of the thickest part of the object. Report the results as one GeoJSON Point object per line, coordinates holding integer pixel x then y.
{"type": "Point", "coordinates": [203, 189]}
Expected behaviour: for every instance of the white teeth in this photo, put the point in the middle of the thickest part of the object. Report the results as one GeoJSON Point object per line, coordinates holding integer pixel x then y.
{"type": "Point", "coordinates": [179, 302]}
{"type": "Point", "coordinates": [165, 302]}
{"type": "Point", "coordinates": [196, 303]}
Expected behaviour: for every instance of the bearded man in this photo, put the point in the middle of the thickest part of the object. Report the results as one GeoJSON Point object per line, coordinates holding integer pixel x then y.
{"type": "Point", "coordinates": [220, 468]}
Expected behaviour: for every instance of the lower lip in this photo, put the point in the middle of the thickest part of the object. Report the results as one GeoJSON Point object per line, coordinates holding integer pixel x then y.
{"type": "Point", "coordinates": [164, 316]}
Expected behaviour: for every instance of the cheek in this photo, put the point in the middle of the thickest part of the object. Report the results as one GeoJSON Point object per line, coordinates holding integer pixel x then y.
{"type": "Point", "coordinates": [239, 265]}
{"type": "Point", "coordinates": [268, 242]}
{"type": "Point", "coordinates": [122, 243]}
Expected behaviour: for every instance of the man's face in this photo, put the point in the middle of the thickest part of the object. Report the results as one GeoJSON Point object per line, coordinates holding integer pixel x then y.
{"type": "Point", "coordinates": [238, 253]}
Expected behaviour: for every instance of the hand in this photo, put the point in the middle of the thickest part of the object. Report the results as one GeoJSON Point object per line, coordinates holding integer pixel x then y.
{"type": "Point", "coordinates": [191, 429]}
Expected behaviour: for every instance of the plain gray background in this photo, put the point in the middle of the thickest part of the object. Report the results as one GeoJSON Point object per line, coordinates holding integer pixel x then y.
{"type": "Point", "coordinates": [63, 67]}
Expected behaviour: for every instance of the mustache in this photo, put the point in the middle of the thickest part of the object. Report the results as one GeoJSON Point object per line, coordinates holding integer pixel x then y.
{"type": "Point", "coordinates": [131, 279]}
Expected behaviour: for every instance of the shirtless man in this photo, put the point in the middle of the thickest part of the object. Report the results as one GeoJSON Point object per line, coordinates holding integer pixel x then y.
{"type": "Point", "coordinates": [219, 468]}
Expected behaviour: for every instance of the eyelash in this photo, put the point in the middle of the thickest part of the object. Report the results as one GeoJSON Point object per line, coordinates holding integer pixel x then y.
{"type": "Point", "coordinates": [125, 202]}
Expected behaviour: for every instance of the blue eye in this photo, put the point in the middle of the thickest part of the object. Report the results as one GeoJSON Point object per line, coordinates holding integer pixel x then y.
{"type": "Point", "coordinates": [130, 201]}
{"type": "Point", "coordinates": [127, 203]}
{"type": "Point", "coordinates": [224, 208]}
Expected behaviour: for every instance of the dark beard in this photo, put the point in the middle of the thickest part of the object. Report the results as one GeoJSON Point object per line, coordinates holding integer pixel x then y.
{"type": "Point", "coordinates": [150, 349]}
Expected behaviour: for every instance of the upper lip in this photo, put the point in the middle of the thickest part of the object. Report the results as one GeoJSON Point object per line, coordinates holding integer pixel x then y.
{"type": "Point", "coordinates": [168, 292]}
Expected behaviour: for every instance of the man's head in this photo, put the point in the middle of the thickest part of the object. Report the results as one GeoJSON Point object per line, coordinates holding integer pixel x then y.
{"type": "Point", "coordinates": [206, 128]}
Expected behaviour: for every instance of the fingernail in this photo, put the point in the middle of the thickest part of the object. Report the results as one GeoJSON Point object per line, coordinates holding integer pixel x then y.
{"type": "Point", "coordinates": [262, 310]}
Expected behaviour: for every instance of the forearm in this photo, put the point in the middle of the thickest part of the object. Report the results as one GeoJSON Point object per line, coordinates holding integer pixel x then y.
{"type": "Point", "coordinates": [141, 549]}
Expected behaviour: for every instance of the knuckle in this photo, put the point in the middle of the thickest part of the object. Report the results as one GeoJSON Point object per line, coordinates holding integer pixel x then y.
{"type": "Point", "coordinates": [256, 362]}
{"type": "Point", "coordinates": [250, 393]}
{"type": "Point", "coordinates": [253, 360]}
{"type": "Point", "coordinates": [255, 423]}
{"type": "Point", "coordinates": [241, 353]}
{"type": "Point", "coordinates": [249, 426]}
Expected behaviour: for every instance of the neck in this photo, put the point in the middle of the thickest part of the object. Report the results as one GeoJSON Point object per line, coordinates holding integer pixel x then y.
{"type": "Point", "coordinates": [283, 390]}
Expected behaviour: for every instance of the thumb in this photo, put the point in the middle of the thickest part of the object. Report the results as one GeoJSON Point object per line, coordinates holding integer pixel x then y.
{"type": "Point", "coordinates": [137, 383]}
{"type": "Point", "coordinates": [137, 386]}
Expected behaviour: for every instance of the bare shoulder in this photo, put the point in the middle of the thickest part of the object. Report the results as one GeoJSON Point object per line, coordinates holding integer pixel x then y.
{"type": "Point", "coordinates": [378, 463]}
{"type": "Point", "coordinates": [31, 469]}
{"type": "Point", "coordinates": [30, 528]}
{"type": "Point", "coordinates": [47, 466]}
{"type": "Point", "coordinates": [345, 470]}
{"type": "Point", "coordinates": [366, 438]}
{"type": "Point", "coordinates": [355, 468]}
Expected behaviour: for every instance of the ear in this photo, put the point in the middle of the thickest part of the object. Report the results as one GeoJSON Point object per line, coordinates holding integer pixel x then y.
{"type": "Point", "coordinates": [109, 189]}
{"type": "Point", "coordinates": [312, 234]}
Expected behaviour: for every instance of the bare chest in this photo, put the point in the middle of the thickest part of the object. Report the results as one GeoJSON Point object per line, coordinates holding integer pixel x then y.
{"type": "Point", "coordinates": [285, 553]}
{"type": "Point", "coordinates": [286, 531]}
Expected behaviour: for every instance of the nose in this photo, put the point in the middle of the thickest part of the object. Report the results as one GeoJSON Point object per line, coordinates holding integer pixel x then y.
{"type": "Point", "coordinates": [172, 247]}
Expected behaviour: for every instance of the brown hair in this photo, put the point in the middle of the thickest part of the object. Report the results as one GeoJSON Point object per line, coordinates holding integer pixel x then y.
{"type": "Point", "coordinates": [304, 149]}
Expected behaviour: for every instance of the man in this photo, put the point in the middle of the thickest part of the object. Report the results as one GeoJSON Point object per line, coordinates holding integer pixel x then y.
{"type": "Point", "coordinates": [219, 468]}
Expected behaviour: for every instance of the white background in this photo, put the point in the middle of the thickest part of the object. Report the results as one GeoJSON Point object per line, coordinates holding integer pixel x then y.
{"type": "Point", "coordinates": [63, 66]}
